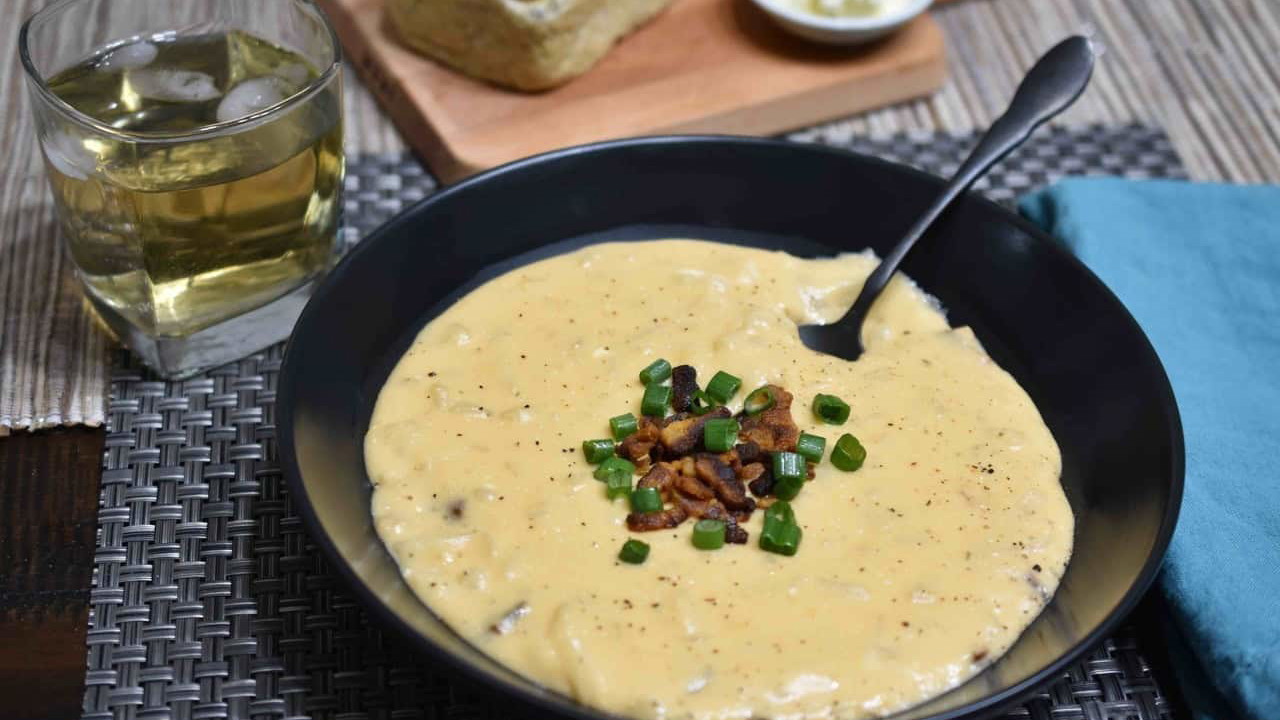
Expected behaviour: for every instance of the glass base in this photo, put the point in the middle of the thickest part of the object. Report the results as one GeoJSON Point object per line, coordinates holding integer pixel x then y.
{"type": "Point", "coordinates": [176, 358]}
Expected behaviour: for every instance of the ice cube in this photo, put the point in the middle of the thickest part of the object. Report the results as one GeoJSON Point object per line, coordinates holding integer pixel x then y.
{"type": "Point", "coordinates": [249, 97]}
{"type": "Point", "coordinates": [69, 155]}
{"type": "Point", "coordinates": [173, 85]}
{"type": "Point", "coordinates": [130, 57]}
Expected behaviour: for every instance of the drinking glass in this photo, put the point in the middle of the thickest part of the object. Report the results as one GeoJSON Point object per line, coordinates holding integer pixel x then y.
{"type": "Point", "coordinates": [194, 152]}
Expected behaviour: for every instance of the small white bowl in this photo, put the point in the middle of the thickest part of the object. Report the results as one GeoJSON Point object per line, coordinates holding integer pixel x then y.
{"type": "Point", "coordinates": [842, 30]}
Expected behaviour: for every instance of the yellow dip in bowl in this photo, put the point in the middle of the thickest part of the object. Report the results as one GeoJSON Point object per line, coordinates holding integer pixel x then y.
{"type": "Point", "coordinates": [914, 572]}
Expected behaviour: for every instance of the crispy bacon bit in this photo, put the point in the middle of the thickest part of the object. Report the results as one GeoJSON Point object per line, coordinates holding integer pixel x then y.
{"type": "Point", "coordinates": [685, 466]}
{"type": "Point", "coordinates": [734, 533]}
{"type": "Point", "coordinates": [720, 478]}
{"type": "Point", "coordinates": [763, 485]}
{"type": "Point", "coordinates": [750, 473]}
{"type": "Point", "coordinates": [663, 520]}
{"type": "Point", "coordinates": [637, 445]}
{"type": "Point", "coordinates": [660, 476]}
{"type": "Point", "coordinates": [708, 509]}
{"type": "Point", "coordinates": [711, 468]}
{"type": "Point", "coordinates": [692, 487]}
{"type": "Point", "coordinates": [773, 430]}
{"type": "Point", "coordinates": [684, 383]}
{"type": "Point", "coordinates": [635, 449]}
{"type": "Point", "coordinates": [683, 435]}
{"type": "Point", "coordinates": [759, 478]}
{"type": "Point", "coordinates": [731, 459]}
{"type": "Point", "coordinates": [747, 452]}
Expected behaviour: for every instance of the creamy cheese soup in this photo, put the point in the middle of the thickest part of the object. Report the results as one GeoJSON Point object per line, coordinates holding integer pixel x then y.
{"type": "Point", "coordinates": [914, 571]}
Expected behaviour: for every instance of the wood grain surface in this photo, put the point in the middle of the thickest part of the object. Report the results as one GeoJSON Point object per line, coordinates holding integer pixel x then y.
{"type": "Point", "coordinates": [1206, 71]}
{"type": "Point", "coordinates": [702, 66]}
{"type": "Point", "coordinates": [48, 508]}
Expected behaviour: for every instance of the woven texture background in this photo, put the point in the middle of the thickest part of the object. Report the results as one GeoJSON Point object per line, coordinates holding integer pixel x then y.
{"type": "Point", "coordinates": [1205, 70]}
{"type": "Point", "coordinates": [210, 601]}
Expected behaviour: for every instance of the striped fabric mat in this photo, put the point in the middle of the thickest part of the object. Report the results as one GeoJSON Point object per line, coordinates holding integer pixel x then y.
{"type": "Point", "coordinates": [1207, 71]}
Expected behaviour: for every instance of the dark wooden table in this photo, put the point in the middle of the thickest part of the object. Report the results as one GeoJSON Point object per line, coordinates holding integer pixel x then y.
{"type": "Point", "coordinates": [48, 511]}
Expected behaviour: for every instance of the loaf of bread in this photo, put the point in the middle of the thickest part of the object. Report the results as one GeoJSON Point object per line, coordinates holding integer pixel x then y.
{"type": "Point", "coordinates": [522, 44]}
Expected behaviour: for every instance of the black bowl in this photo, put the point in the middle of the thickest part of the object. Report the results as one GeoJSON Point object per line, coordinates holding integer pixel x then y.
{"type": "Point", "coordinates": [1040, 313]}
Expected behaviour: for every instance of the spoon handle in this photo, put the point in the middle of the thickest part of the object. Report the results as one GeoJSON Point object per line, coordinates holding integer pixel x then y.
{"type": "Point", "coordinates": [1055, 81]}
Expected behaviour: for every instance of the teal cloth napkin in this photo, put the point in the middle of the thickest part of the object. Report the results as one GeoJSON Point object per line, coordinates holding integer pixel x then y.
{"type": "Point", "coordinates": [1199, 267]}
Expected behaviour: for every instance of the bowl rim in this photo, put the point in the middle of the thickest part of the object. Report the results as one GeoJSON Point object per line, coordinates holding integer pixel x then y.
{"type": "Point", "coordinates": [556, 702]}
{"type": "Point", "coordinates": [852, 25]}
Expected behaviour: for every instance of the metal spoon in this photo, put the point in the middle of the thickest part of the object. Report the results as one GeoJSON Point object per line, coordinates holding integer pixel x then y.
{"type": "Point", "coordinates": [1055, 81]}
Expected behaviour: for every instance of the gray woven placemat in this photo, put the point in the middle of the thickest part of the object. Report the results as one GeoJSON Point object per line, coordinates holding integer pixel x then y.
{"type": "Point", "coordinates": [211, 602]}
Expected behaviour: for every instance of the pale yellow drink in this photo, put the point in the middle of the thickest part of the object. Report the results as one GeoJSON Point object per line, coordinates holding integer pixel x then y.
{"type": "Point", "coordinates": [176, 237]}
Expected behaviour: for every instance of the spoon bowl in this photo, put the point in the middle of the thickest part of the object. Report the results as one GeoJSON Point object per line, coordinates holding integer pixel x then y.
{"type": "Point", "coordinates": [1050, 87]}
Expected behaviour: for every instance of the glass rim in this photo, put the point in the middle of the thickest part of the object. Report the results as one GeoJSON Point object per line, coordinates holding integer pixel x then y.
{"type": "Point", "coordinates": [249, 121]}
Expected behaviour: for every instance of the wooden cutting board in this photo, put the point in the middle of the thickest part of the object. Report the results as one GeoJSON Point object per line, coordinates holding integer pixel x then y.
{"type": "Point", "coordinates": [703, 66]}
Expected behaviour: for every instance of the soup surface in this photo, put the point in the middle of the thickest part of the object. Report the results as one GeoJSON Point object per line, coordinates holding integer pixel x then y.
{"type": "Point", "coordinates": [913, 573]}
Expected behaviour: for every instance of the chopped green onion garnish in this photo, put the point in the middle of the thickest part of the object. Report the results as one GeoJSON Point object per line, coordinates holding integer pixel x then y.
{"type": "Point", "coordinates": [708, 534]}
{"type": "Point", "coordinates": [646, 500]}
{"type": "Point", "coordinates": [788, 466]}
{"type": "Point", "coordinates": [597, 451]}
{"type": "Point", "coordinates": [781, 538]}
{"type": "Point", "coordinates": [623, 425]}
{"type": "Point", "coordinates": [789, 472]}
{"type": "Point", "coordinates": [617, 485]}
{"type": "Point", "coordinates": [779, 512]}
{"type": "Point", "coordinates": [848, 454]}
{"type": "Point", "coordinates": [787, 489]}
{"type": "Point", "coordinates": [811, 447]}
{"type": "Point", "coordinates": [759, 400]}
{"type": "Point", "coordinates": [723, 387]}
{"type": "Point", "coordinates": [701, 403]}
{"type": "Point", "coordinates": [614, 466]}
{"type": "Point", "coordinates": [720, 434]}
{"type": "Point", "coordinates": [655, 401]}
{"type": "Point", "coordinates": [780, 533]}
{"type": "Point", "coordinates": [634, 552]}
{"type": "Point", "coordinates": [830, 409]}
{"type": "Point", "coordinates": [657, 371]}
